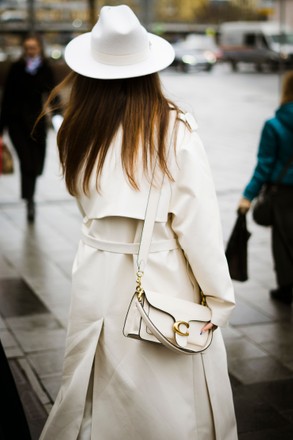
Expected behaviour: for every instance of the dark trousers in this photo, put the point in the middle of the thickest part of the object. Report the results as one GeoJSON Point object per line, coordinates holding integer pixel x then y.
{"type": "Point", "coordinates": [31, 154]}
{"type": "Point", "coordinates": [28, 185]}
{"type": "Point", "coordinates": [282, 236]}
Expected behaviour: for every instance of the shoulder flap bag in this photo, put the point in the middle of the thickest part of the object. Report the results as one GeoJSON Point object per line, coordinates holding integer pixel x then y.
{"type": "Point", "coordinates": [158, 317]}
{"type": "Point", "coordinates": [173, 322]}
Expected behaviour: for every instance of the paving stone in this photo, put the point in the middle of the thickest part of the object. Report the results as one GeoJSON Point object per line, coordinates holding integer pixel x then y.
{"type": "Point", "coordinates": [288, 414]}
{"type": "Point", "coordinates": [7, 339]}
{"type": "Point", "coordinates": [277, 393]}
{"type": "Point", "coordinates": [269, 332]}
{"type": "Point", "coordinates": [33, 380]}
{"type": "Point", "coordinates": [35, 412]}
{"type": "Point", "coordinates": [17, 298]}
{"type": "Point", "coordinates": [6, 269]}
{"type": "Point", "coordinates": [289, 365]}
{"type": "Point", "coordinates": [41, 340]}
{"type": "Point", "coordinates": [259, 299]}
{"type": "Point", "coordinates": [34, 322]}
{"type": "Point", "coordinates": [279, 351]}
{"type": "Point", "coordinates": [243, 349]}
{"type": "Point", "coordinates": [13, 352]}
{"type": "Point", "coordinates": [231, 333]}
{"type": "Point", "coordinates": [245, 314]}
{"type": "Point", "coordinates": [47, 363]}
{"type": "Point", "coordinates": [255, 414]}
{"type": "Point", "coordinates": [48, 407]}
{"type": "Point", "coordinates": [262, 369]}
{"type": "Point", "coordinates": [2, 324]}
{"type": "Point", "coordinates": [64, 260]}
{"type": "Point", "coordinates": [52, 385]}
{"type": "Point", "coordinates": [269, 434]}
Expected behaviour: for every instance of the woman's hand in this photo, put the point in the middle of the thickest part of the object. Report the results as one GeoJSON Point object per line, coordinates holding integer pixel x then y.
{"type": "Point", "coordinates": [244, 205]}
{"type": "Point", "coordinates": [208, 326]}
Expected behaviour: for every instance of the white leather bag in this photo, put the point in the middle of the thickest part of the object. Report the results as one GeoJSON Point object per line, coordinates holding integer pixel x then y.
{"type": "Point", "coordinates": [173, 322]}
{"type": "Point", "coordinates": [161, 318]}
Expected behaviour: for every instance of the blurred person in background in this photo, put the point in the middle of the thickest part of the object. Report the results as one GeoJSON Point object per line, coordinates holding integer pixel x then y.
{"type": "Point", "coordinates": [28, 82]}
{"type": "Point", "coordinates": [275, 155]}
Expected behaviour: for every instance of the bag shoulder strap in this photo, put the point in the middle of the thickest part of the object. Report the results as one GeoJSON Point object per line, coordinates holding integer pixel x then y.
{"type": "Point", "coordinates": [150, 217]}
{"type": "Point", "coordinates": [154, 198]}
{"type": "Point", "coordinates": [151, 210]}
{"type": "Point", "coordinates": [149, 221]}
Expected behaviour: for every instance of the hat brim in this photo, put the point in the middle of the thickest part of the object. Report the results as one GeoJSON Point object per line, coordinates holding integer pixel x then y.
{"type": "Point", "coordinates": [79, 58]}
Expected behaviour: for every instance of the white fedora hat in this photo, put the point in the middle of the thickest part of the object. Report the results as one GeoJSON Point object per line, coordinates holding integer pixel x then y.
{"type": "Point", "coordinates": [118, 47]}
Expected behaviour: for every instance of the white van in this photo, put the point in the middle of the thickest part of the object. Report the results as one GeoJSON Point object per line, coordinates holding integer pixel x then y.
{"type": "Point", "coordinates": [260, 43]}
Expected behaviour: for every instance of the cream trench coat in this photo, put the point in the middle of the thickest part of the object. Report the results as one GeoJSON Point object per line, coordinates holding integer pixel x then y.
{"type": "Point", "coordinates": [116, 388]}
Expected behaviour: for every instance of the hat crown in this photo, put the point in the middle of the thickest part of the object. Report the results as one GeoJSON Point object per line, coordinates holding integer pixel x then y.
{"type": "Point", "coordinates": [118, 47]}
{"type": "Point", "coordinates": [118, 32]}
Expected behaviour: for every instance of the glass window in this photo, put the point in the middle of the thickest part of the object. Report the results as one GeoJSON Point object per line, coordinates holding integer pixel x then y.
{"type": "Point", "coordinates": [283, 38]}
{"type": "Point", "coordinates": [250, 39]}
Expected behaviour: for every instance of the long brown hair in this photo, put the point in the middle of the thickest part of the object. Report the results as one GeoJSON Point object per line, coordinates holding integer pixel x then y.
{"type": "Point", "coordinates": [287, 89]}
{"type": "Point", "coordinates": [94, 112]}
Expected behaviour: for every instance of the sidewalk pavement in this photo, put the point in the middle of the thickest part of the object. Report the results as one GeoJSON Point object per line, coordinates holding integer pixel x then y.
{"type": "Point", "coordinates": [35, 276]}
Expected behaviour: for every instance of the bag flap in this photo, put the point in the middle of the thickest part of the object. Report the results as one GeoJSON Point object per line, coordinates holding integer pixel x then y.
{"type": "Point", "coordinates": [179, 309]}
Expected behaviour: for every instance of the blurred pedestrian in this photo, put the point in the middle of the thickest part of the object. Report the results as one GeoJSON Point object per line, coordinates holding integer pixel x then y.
{"type": "Point", "coordinates": [28, 82]}
{"type": "Point", "coordinates": [275, 162]}
{"type": "Point", "coordinates": [117, 124]}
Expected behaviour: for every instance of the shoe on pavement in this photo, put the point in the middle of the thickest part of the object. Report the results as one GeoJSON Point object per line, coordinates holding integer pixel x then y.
{"type": "Point", "coordinates": [30, 211]}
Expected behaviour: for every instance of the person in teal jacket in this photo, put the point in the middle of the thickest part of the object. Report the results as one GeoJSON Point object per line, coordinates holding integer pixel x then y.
{"type": "Point", "coordinates": [274, 152]}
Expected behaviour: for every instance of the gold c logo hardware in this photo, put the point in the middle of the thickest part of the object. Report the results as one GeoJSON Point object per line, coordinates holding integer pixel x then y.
{"type": "Point", "coordinates": [176, 328]}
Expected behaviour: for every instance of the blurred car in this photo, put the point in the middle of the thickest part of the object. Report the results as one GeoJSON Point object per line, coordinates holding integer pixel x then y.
{"type": "Point", "coordinates": [196, 51]}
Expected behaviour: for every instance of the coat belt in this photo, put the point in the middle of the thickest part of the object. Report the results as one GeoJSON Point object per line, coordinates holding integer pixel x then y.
{"type": "Point", "coordinates": [128, 248]}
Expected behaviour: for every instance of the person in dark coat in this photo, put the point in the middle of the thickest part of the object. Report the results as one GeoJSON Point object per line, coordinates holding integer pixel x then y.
{"type": "Point", "coordinates": [274, 153]}
{"type": "Point", "coordinates": [28, 82]}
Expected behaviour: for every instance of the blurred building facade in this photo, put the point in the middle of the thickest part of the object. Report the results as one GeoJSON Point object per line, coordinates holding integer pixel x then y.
{"type": "Point", "coordinates": [60, 20]}
{"type": "Point", "coordinates": [283, 12]}
{"type": "Point", "coordinates": [78, 15]}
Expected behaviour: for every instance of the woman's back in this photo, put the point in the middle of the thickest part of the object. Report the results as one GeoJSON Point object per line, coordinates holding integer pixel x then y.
{"type": "Point", "coordinates": [118, 129]}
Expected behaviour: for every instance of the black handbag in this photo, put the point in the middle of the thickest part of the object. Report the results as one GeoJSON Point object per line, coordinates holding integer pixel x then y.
{"type": "Point", "coordinates": [236, 249]}
{"type": "Point", "coordinates": [263, 209]}
{"type": "Point", "coordinates": [262, 212]}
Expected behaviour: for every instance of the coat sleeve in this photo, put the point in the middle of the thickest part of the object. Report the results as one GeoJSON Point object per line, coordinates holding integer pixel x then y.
{"type": "Point", "coordinates": [8, 97]}
{"type": "Point", "coordinates": [266, 158]}
{"type": "Point", "coordinates": [49, 84]}
{"type": "Point", "coordinates": [196, 222]}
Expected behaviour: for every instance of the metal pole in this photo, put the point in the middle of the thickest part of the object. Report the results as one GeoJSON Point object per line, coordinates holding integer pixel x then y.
{"type": "Point", "coordinates": [147, 12]}
{"type": "Point", "coordinates": [282, 18]}
{"type": "Point", "coordinates": [31, 15]}
{"type": "Point", "coordinates": [92, 12]}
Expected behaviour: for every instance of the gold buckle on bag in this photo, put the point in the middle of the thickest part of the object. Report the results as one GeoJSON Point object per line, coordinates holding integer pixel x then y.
{"type": "Point", "coordinates": [176, 328]}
